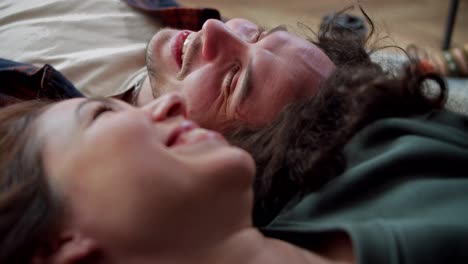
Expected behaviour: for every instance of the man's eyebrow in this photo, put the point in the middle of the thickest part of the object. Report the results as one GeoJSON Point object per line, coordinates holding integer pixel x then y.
{"type": "Point", "coordinates": [275, 29]}
{"type": "Point", "coordinates": [246, 84]}
{"type": "Point", "coordinates": [245, 88]}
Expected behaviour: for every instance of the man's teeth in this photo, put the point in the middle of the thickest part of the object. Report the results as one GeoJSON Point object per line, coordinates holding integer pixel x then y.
{"type": "Point", "coordinates": [184, 47]}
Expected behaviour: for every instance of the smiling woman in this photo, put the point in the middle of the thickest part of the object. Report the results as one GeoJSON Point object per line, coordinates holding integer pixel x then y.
{"type": "Point", "coordinates": [100, 181]}
{"type": "Point", "coordinates": [154, 149]}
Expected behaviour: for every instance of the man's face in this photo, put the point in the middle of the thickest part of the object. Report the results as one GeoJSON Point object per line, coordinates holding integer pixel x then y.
{"type": "Point", "coordinates": [235, 72]}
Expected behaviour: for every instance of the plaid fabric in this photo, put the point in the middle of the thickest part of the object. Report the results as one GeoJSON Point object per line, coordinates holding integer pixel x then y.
{"type": "Point", "coordinates": [21, 81]}
{"type": "Point", "coordinates": [152, 4]}
{"type": "Point", "coordinates": [171, 15]}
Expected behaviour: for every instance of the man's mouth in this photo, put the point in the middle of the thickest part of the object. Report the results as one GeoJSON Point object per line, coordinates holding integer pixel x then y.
{"type": "Point", "coordinates": [180, 47]}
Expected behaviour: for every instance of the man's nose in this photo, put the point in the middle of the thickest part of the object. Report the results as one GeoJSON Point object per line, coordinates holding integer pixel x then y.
{"type": "Point", "coordinates": [219, 40]}
{"type": "Point", "coordinates": [166, 106]}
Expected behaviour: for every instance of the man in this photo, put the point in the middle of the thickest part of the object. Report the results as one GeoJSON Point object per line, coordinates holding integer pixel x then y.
{"type": "Point", "coordinates": [235, 72]}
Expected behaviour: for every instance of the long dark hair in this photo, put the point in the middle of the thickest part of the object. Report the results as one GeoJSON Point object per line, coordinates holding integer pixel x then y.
{"type": "Point", "coordinates": [301, 150]}
{"type": "Point", "coordinates": [29, 212]}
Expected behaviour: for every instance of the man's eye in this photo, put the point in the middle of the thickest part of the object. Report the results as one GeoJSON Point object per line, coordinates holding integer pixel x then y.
{"type": "Point", "coordinates": [232, 78]}
{"type": "Point", "coordinates": [260, 35]}
{"type": "Point", "coordinates": [260, 32]}
{"type": "Point", "coordinates": [264, 33]}
{"type": "Point", "coordinates": [102, 108]}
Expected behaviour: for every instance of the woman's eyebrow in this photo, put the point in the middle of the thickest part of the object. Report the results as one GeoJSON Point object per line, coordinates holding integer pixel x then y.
{"type": "Point", "coordinates": [79, 116]}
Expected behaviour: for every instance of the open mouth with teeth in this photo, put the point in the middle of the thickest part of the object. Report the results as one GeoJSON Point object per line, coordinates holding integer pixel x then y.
{"type": "Point", "coordinates": [181, 46]}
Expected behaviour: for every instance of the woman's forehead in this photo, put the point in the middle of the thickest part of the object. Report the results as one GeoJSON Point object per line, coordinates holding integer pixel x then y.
{"type": "Point", "coordinates": [63, 106]}
{"type": "Point", "coordinates": [57, 126]}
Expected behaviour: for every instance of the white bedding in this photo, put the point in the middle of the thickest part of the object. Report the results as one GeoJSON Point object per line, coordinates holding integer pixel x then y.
{"type": "Point", "coordinates": [99, 44]}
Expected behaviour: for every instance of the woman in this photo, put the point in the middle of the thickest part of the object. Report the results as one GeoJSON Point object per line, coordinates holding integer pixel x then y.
{"type": "Point", "coordinates": [99, 181]}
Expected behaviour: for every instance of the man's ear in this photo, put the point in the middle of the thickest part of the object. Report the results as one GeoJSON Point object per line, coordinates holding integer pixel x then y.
{"type": "Point", "coordinates": [67, 248]}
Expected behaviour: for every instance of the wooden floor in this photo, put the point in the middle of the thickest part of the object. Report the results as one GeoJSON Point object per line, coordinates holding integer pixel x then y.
{"type": "Point", "coordinates": [421, 22]}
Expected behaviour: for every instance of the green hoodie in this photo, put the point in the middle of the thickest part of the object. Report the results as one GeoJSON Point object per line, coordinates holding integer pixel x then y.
{"type": "Point", "coordinates": [403, 197]}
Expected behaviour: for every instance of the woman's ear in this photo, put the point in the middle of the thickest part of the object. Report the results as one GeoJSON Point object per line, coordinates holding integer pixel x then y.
{"type": "Point", "coordinates": [68, 248]}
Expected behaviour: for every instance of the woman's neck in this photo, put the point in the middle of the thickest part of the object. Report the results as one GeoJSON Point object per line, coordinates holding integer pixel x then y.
{"type": "Point", "coordinates": [254, 248]}
{"type": "Point", "coordinates": [249, 246]}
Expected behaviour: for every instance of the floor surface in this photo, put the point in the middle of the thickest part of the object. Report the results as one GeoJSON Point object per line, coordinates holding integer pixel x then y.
{"type": "Point", "coordinates": [421, 22]}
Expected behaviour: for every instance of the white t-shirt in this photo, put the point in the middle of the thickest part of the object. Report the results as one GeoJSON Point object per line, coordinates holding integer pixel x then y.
{"type": "Point", "coordinates": [99, 45]}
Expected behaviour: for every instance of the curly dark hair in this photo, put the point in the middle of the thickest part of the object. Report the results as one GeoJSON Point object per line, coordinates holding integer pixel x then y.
{"type": "Point", "coordinates": [301, 150]}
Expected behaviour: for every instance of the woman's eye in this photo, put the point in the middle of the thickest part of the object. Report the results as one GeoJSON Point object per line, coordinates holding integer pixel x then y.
{"type": "Point", "coordinates": [102, 108]}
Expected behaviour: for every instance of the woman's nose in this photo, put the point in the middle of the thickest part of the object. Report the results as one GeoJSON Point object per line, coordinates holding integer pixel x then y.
{"type": "Point", "coordinates": [219, 39]}
{"type": "Point", "coordinates": [166, 106]}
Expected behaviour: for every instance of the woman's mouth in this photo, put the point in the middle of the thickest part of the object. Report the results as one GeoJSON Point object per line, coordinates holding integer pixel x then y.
{"type": "Point", "coordinates": [180, 46]}
{"type": "Point", "coordinates": [188, 133]}
{"type": "Point", "coordinates": [176, 134]}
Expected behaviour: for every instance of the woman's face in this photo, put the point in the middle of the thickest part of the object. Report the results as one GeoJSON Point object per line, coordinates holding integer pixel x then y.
{"type": "Point", "coordinates": [235, 71]}
{"type": "Point", "coordinates": [131, 176]}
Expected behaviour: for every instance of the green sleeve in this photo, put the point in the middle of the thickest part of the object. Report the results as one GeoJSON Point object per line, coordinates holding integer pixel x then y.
{"type": "Point", "coordinates": [403, 197]}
